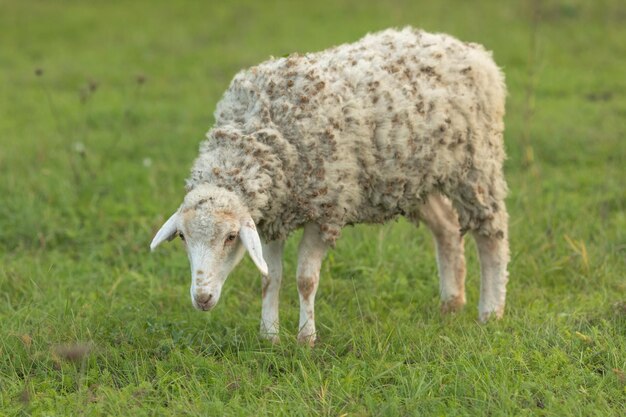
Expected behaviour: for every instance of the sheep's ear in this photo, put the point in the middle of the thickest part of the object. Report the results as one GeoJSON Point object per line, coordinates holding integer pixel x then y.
{"type": "Point", "coordinates": [166, 232]}
{"type": "Point", "coordinates": [250, 239]}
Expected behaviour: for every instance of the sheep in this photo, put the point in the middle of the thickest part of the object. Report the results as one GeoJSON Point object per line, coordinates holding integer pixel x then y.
{"type": "Point", "coordinates": [399, 123]}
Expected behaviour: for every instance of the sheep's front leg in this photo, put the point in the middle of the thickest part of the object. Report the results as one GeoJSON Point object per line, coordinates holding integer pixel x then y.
{"type": "Point", "coordinates": [273, 255]}
{"type": "Point", "coordinates": [310, 255]}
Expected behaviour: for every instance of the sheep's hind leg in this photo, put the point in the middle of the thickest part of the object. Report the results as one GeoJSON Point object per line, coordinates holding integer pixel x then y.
{"type": "Point", "coordinates": [442, 220]}
{"type": "Point", "coordinates": [273, 255]}
{"type": "Point", "coordinates": [493, 251]}
{"type": "Point", "coordinates": [311, 252]}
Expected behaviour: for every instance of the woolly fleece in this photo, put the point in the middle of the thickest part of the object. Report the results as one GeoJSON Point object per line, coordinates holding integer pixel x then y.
{"type": "Point", "coordinates": [361, 133]}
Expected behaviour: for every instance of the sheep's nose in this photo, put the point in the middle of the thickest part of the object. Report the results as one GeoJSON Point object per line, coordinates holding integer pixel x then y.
{"type": "Point", "coordinates": [203, 300]}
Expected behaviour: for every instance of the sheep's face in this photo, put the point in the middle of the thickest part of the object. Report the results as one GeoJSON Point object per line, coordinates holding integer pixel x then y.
{"type": "Point", "coordinates": [216, 230]}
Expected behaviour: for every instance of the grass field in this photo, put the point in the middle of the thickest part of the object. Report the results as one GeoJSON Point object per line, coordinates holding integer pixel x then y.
{"type": "Point", "coordinates": [103, 105]}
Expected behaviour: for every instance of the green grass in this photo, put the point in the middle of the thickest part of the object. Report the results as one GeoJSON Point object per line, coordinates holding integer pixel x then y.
{"type": "Point", "coordinates": [86, 178]}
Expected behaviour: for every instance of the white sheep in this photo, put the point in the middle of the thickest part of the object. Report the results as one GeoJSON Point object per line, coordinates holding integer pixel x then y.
{"type": "Point", "coordinates": [402, 122]}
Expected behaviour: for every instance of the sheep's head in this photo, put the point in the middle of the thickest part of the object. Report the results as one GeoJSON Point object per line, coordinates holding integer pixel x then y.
{"type": "Point", "coordinates": [217, 230]}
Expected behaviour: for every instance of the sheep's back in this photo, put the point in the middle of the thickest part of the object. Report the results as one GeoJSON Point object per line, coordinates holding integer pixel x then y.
{"type": "Point", "coordinates": [376, 125]}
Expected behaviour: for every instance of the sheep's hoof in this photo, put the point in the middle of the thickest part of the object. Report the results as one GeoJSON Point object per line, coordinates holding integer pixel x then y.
{"type": "Point", "coordinates": [485, 316]}
{"type": "Point", "coordinates": [273, 338]}
{"type": "Point", "coordinates": [307, 340]}
{"type": "Point", "coordinates": [453, 305]}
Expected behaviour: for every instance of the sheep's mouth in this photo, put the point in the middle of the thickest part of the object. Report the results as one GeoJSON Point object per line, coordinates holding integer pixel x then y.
{"type": "Point", "coordinates": [204, 307]}
{"type": "Point", "coordinates": [205, 302]}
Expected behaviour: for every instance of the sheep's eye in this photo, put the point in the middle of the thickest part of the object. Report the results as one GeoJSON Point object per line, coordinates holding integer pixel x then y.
{"type": "Point", "coordinates": [231, 237]}
{"type": "Point", "coordinates": [182, 237]}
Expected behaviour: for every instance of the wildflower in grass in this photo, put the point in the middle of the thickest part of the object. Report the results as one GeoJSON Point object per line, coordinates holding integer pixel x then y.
{"type": "Point", "coordinates": [79, 148]}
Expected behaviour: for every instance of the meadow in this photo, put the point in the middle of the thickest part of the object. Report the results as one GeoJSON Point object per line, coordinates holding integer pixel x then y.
{"type": "Point", "coordinates": [102, 108]}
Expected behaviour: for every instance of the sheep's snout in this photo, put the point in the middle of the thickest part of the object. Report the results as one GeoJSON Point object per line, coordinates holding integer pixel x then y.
{"type": "Point", "coordinates": [205, 292]}
{"type": "Point", "coordinates": [204, 301]}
